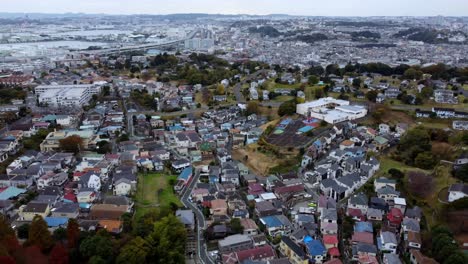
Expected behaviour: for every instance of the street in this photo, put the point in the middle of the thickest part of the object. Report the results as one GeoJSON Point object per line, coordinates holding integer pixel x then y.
{"type": "Point", "coordinates": [200, 219]}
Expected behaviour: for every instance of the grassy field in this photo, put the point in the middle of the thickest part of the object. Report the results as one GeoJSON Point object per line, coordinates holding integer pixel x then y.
{"type": "Point", "coordinates": [283, 98]}
{"type": "Point", "coordinates": [154, 190]}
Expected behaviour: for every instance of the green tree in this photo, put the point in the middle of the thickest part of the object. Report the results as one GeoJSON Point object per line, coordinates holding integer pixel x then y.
{"type": "Point", "coordinates": [168, 241]}
{"type": "Point", "coordinates": [462, 173]}
{"type": "Point", "coordinates": [357, 82]}
{"type": "Point", "coordinates": [456, 258]}
{"type": "Point", "coordinates": [134, 252]}
{"type": "Point", "coordinates": [313, 80]}
{"type": "Point", "coordinates": [412, 143]}
{"type": "Point", "coordinates": [39, 234]}
{"type": "Point", "coordinates": [97, 245]}
{"type": "Point", "coordinates": [59, 234]}
{"type": "Point", "coordinates": [287, 108]}
{"type": "Point", "coordinates": [103, 147]}
{"type": "Point", "coordinates": [371, 96]}
{"type": "Point", "coordinates": [413, 73]}
{"type": "Point", "coordinates": [424, 160]}
{"type": "Point", "coordinates": [236, 226]}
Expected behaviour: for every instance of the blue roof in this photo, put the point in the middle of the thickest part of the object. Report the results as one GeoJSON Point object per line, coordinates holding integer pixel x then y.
{"type": "Point", "coordinates": [185, 174]}
{"type": "Point", "coordinates": [176, 127]}
{"type": "Point", "coordinates": [214, 179]}
{"type": "Point", "coordinates": [308, 239]}
{"type": "Point", "coordinates": [271, 221]}
{"type": "Point", "coordinates": [56, 221]}
{"type": "Point", "coordinates": [11, 192]}
{"type": "Point", "coordinates": [85, 205]}
{"type": "Point", "coordinates": [316, 248]}
{"type": "Point", "coordinates": [305, 129]}
{"type": "Point", "coordinates": [363, 227]}
{"type": "Point", "coordinates": [318, 142]}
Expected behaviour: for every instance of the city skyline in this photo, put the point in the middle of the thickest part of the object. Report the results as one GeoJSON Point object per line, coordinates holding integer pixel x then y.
{"type": "Point", "coordinates": [259, 7]}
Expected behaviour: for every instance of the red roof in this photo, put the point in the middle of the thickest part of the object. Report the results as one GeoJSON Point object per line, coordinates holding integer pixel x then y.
{"type": "Point", "coordinates": [70, 197]}
{"type": "Point", "coordinates": [330, 239]}
{"type": "Point", "coordinates": [354, 212]}
{"type": "Point", "coordinates": [334, 261]}
{"type": "Point", "coordinates": [334, 252]}
{"type": "Point", "coordinates": [78, 174]}
{"type": "Point", "coordinates": [395, 216]}
{"type": "Point", "coordinates": [289, 189]}
{"type": "Point", "coordinates": [364, 237]}
{"type": "Point", "coordinates": [258, 253]}
{"type": "Point", "coordinates": [256, 189]}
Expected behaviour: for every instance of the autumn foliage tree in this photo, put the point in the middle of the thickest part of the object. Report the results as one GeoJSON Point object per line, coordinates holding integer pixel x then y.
{"type": "Point", "coordinates": [58, 255]}
{"type": "Point", "coordinates": [8, 241]}
{"type": "Point", "coordinates": [73, 233]}
{"type": "Point", "coordinates": [39, 235]}
{"type": "Point", "coordinates": [420, 184]}
{"type": "Point", "coordinates": [72, 143]}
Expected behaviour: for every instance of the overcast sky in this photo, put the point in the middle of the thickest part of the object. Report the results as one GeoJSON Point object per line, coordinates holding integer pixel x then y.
{"type": "Point", "coordinates": [261, 7]}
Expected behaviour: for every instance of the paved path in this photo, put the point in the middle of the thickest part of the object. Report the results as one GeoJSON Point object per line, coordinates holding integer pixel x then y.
{"type": "Point", "coordinates": [200, 218]}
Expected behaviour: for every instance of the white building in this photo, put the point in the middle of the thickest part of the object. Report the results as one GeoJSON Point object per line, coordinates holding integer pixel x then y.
{"type": "Point", "coordinates": [457, 191]}
{"type": "Point", "coordinates": [331, 110]}
{"type": "Point", "coordinates": [66, 95]}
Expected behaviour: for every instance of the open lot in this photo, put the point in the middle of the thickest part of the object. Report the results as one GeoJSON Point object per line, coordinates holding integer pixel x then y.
{"type": "Point", "coordinates": [154, 190]}
{"type": "Point", "coordinates": [286, 134]}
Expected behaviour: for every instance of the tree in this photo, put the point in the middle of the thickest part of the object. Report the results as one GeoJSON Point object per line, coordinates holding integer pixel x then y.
{"type": "Point", "coordinates": [462, 173]}
{"type": "Point", "coordinates": [424, 160]}
{"type": "Point", "coordinates": [236, 226]}
{"type": "Point", "coordinates": [59, 234]}
{"type": "Point", "coordinates": [73, 233]}
{"type": "Point", "coordinates": [412, 143]}
{"type": "Point", "coordinates": [252, 108]}
{"type": "Point", "coordinates": [396, 173]}
{"type": "Point", "coordinates": [220, 89]}
{"type": "Point", "coordinates": [287, 108]}
{"type": "Point", "coordinates": [97, 245]}
{"type": "Point", "coordinates": [456, 258]}
{"type": "Point", "coordinates": [8, 240]}
{"type": "Point", "coordinates": [356, 82]}
{"type": "Point", "coordinates": [73, 143]}
{"type": "Point", "coordinates": [312, 80]}
{"type": "Point", "coordinates": [318, 93]}
{"type": "Point", "coordinates": [126, 222]}
{"type": "Point", "coordinates": [168, 241]}
{"type": "Point", "coordinates": [371, 96]}
{"type": "Point", "coordinates": [23, 231]}
{"type": "Point", "coordinates": [39, 234]}
{"type": "Point", "coordinates": [58, 255]}
{"type": "Point", "coordinates": [413, 73]}
{"type": "Point", "coordinates": [420, 184]}
{"type": "Point", "coordinates": [442, 151]}
{"type": "Point", "coordinates": [134, 252]}
{"type": "Point", "coordinates": [103, 147]}
{"type": "Point", "coordinates": [96, 260]}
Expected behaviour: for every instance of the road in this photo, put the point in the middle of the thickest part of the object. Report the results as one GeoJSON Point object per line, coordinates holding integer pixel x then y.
{"type": "Point", "coordinates": [200, 219]}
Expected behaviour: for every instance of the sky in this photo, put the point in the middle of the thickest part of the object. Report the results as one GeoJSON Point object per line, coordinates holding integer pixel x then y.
{"type": "Point", "coordinates": [258, 7]}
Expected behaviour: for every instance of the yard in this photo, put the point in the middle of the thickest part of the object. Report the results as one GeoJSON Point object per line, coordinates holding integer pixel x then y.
{"type": "Point", "coordinates": [431, 206]}
{"type": "Point", "coordinates": [154, 190]}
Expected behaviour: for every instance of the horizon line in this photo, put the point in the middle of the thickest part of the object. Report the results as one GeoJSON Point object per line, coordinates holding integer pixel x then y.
{"type": "Point", "coordinates": [221, 14]}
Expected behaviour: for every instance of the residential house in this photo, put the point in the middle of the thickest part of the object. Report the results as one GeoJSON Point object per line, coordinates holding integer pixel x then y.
{"type": "Point", "coordinates": [294, 253]}
{"type": "Point", "coordinates": [29, 211]}
{"type": "Point", "coordinates": [457, 191]}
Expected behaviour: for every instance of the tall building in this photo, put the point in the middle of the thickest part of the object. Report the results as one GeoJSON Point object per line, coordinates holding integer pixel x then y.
{"type": "Point", "coordinates": [66, 95]}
